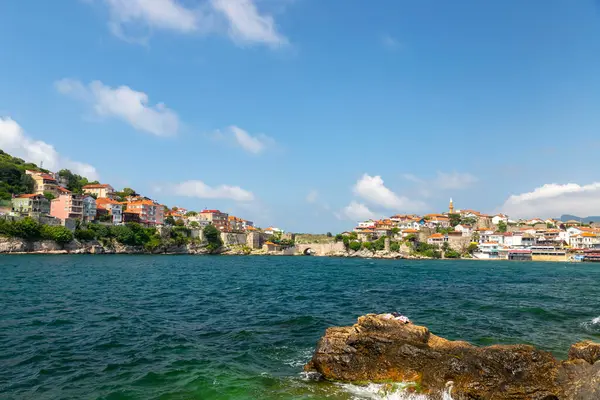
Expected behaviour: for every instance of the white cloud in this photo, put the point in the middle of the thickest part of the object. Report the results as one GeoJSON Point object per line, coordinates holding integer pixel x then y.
{"type": "Point", "coordinates": [125, 104]}
{"type": "Point", "coordinates": [372, 189]}
{"type": "Point", "coordinates": [246, 24]}
{"type": "Point", "coordinates": [454, 180]}
{"type": "Point", "coordinates": [553, 200]}
{"type": "Point", "coordinates": [237, 136]}
{"type": "Point", "coordinates": [356, 212]}
{"type": "Point", "coordinates": [312, 196]}
{"type": "Point", "coordinates": [201, 190]}
{"type": "Point", "coordinates": [14, 141]}
{"type": "Point", "coordinates": [241, 19]}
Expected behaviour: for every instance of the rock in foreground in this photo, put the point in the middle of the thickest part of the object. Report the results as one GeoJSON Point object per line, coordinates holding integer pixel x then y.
{"type": "Point", "coordinates": [380, 349]}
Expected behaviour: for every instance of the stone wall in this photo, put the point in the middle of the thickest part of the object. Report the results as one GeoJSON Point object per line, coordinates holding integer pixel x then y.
{"type": "Point", "coordinates": [321, 249]}
{"type": "Point", "coordinates": [254, 240]}
{"type": "Point", "coordinates": [233, 239]}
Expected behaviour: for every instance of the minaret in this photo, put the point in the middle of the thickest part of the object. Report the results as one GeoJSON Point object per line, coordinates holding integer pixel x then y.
{"type": "Point", "coordinates": [451, 207]}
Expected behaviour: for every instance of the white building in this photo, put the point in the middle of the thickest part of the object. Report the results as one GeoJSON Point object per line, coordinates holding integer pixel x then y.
{"type": "Point", "coordinates": [466, 230]}
{"type": "Point", "coordinates": [367, 224]}
{"type": "Point", "coordinates": [496, 219]}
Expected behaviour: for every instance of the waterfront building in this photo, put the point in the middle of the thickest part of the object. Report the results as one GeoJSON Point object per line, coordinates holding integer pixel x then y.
{"type": "Point", "coordinates": [89, 208]}
{"type": "Point", "coordinates": [67, 205]}
{"type": "Point", "coordinates": [110, 207]}
{"type": "Point", "coordinates": [217, 218]}
{"type": "Point", "coordinates": [31, 204]}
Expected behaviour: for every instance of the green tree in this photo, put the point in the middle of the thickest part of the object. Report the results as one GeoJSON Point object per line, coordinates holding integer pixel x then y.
{"type": "Point", "coordinates": [213, 237]}
{"type": "Point", "coordinates": [27, 228]}
{"type": "Point", "coordinates": [49, 195]}
{"type": "Point", "coordinates": [329, 234]}
{"type": "Point", "coordinates": [367, 245]}
{"type": "Point", "coordinates": [191, 214]}
{"type": "Point", "coordinates": [395, 231]}
{"type": "Point", "coordinates": [445, 246]}
{"type": "Point", "coordinates": [454, 219]}
{"type": "Point", "coordinates": [170, 220]}
{"type": "Point", "coordinates": [194, 225]}
{"type": "Point", "coordinates": [395, 247]}
{"type": "Point", "coordinates": [339, 237]}
{"type": "Point", "coordinates": [472, 248]}
{"type": "Point", "coordinates": [451, 254]}
{"type": "Point", "coordinates": [502, 226]}
{"type": "Point", "coordinates": [354, 245]}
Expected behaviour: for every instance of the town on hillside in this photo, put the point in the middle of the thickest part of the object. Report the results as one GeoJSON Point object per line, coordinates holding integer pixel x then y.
{"type": "Point", "coordinates": [51, 202]}
{"type": "Point", "coordinates": [482, 236]}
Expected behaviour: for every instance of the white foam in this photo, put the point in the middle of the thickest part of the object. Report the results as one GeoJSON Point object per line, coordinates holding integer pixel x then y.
{"type": "Point", "coordinates": [593, 325]}
{"type": "Point", "coordinates": [396, 391]}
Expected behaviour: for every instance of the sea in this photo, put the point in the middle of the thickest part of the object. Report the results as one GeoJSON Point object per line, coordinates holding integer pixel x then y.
{"type": "Point", "coordinates": [224, 327]}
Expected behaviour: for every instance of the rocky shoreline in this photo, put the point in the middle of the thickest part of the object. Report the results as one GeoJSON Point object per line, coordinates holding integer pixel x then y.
{"type": "Point", "coordinates": [21, 246]}
{"type": "Point", "coordinates": [382, 349]}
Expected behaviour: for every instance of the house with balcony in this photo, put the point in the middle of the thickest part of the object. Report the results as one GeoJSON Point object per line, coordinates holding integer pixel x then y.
{"type": "Point", "coordinates": [216, 218]}
{"type": "Point", "coordinates": [437, 239]}
{"type": "Point", "coordinates": [100, 190]}
{"type": "Point", "coordinates": [43, 182]}
{"type": "Point", "coordinates": [150, 212]}
{"type": "Point", "coordinates": [236, 224]}
{"type": "Point", "coordinates": [89, 208]}
{"type": "Point", "coordinates": [113, 208]}
{"type": "Point", "coordinates": [67, 206]}
{"type": "Point", "coordinates": [31, 204]}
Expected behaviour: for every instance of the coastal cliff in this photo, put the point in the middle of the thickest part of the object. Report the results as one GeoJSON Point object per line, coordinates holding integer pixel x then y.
{"type": "Point", "coordinates": [381, 349]}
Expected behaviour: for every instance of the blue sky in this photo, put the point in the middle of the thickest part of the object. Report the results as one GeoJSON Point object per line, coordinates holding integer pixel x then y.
{"type": "Point", "coordinates": [307, 114]}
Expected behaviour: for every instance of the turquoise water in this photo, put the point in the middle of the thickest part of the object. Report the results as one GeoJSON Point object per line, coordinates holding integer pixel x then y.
{"type": "Point", "coordinates": [184, 327]}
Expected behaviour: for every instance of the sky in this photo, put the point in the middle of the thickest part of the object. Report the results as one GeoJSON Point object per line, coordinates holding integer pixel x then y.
{"type": "Point", "coordinates": [311, 115]}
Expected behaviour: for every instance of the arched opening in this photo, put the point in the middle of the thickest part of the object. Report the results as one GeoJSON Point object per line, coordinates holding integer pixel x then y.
{"type": "Point", "coordinates": [308, 252]}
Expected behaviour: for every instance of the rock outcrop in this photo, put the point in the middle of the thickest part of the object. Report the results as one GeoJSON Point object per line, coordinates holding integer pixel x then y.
{"type": "Point", "coordinates": [381, 349]}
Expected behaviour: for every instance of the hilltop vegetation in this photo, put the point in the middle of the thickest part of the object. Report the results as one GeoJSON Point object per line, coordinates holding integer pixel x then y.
{"type": "Point", "coordinates": [13, 179]}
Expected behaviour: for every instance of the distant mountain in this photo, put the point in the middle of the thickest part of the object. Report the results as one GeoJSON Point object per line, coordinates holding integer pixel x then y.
{"type": "Point", "coordinates": [568, 217]}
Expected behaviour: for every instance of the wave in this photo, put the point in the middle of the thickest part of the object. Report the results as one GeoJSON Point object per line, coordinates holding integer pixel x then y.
{"type": "Point", "coordinates": [388, 391]}
{"type": "Point", "coordinates": [593, 325]}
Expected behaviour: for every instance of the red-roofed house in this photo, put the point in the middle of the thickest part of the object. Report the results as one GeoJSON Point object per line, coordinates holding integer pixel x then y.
{"type": "Point", "coordinates": [217, 218]}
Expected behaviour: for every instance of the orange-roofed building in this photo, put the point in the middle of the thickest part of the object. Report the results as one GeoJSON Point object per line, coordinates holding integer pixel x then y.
{"type": "Point", "coordinates": [150, 212]}
{"type": "Point", "coordinates": [43, 182]}
{"type": "Point", "coordinates": [219, 219]}
{"type": "Point", "coordinates": [100, 190]}
{"type": "Point", "coordinates": [437, 239]}
{"type": "Point", "coordinates": [105, 205]}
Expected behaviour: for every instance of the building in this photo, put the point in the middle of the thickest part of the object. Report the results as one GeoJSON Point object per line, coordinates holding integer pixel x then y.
{"type": "Point", "coordinates": [247, 224]}
{"type": "Point", "coordinates": [131, 217]}
{"type": "Point", "coordinates": [100, 190]}
{"type": "Point", "coordinates": [43, 182]}
{"type": "Point", "coordinates": [585, 240]}
{"type": "Point", "coordinates": [272, 230]}
{"type": "Point", "coordinates": [111, 207]}
{"type": "Point", "coordinates": [216, 218]}
{"type": "Point", "coordinates": [496, 219]}
{"type": "Point", "coordinates": [67, 205]}
{"type": "Point", "coordinates": [89, 208]}
{"type": "Point", "coordinates": [451, 207]}
{"type": "Point", "coordinates": [236, 224]}
{"type": "Point", "coordinates": [367, 224]}
{"type": "Point", "coordinates": [31, 204]}
{"type": "Point", "coordinates": [150, 212]}
{"type": "Point", "coordinates": [466, 230]}
{"type": "Point", "coordinates": [437, 239]}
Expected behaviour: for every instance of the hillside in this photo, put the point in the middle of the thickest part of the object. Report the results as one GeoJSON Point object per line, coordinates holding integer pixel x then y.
{"type": "Point", "coordinates": [13, 179]}
{"type": "Point", "coordinates": [568, 217]}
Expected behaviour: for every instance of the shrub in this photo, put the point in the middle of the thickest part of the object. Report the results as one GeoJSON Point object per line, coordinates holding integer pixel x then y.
{"type": "Point", "coordinates": [85, 234]}
{"type": "Point", "coordinates": [354, 245]}
{"type": "Point", "coordinates": [432, 253]}
{"type": "Point", "coordinates": [451, 254]}
{"type": "Point", "coordinates": [213, 237]}
{"type": "Point", "coordinates": [59, 234]}
{"type": "Point", "coordinates": [26, 228]}
{"type": "Point", "coordinates": [367, 245]}
{"type": "Point", "coordinates": [395, 247]}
